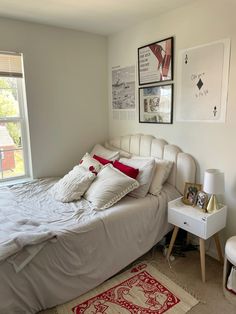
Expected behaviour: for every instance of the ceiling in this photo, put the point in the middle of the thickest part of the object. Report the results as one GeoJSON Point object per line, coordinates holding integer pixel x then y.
{"type": "Point", "coordinates": [97, 16]}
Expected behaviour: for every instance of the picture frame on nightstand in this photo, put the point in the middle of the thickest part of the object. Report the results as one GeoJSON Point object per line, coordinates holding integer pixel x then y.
{"type": "Point", "coordinates": [190, 193]}
{"type": "Point", "coordinates": [201, 200]}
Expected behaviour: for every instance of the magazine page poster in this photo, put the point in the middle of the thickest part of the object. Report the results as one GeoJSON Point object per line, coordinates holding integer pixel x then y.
{"type": "Point", "coordinates": [123, 88]}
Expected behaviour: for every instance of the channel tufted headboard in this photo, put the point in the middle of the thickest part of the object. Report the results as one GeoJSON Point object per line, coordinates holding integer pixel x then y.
{"type": "Point", "coordinates": [184, 168]}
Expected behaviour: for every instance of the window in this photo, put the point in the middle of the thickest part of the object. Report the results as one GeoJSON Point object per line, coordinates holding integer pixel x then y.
{"type": "Point", "coordinates": [14, 137]}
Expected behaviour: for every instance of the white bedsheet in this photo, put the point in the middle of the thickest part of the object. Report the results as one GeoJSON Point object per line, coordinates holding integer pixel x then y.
{"type": "Point", "coordinates": [87, 251]}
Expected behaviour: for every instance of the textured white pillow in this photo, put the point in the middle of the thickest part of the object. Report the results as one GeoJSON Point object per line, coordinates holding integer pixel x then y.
{"type": "Point", "coordinates": [146, 171]}
{"type": "Point", "coordinates": [91, 164]}
{"type": "Point", "coordinates": [99, 150]}
{"type": "Point", "coordinates": [109, 187]}
{"type": "Point", "coordinates": [163, 169]}
{"type": "Point", "coordinates": [73, 185]}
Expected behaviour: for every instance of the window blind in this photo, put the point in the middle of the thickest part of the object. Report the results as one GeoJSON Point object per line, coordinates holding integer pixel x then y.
{"type": "Point", "coordinates": [11, 64]}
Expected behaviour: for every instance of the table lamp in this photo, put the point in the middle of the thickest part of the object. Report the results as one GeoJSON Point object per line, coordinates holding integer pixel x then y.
{"type": "Point", "coordinates": [214, 184]}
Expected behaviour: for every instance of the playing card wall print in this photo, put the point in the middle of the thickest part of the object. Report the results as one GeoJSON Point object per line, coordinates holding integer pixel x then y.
{"type": "Point", "coordinates": [203, 82]}
{"type": "Point", "coordinates": [155, 62]}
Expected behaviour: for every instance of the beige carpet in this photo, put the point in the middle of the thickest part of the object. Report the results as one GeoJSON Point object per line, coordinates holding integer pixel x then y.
{"type": "Point", "coordinates": [186, 273]}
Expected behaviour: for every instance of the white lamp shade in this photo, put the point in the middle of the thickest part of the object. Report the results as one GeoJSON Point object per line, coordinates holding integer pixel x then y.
{"type": "Point", "coordinates": [214, 182]}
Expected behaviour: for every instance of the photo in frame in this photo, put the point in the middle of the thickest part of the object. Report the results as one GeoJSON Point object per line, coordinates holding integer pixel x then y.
{"type": "Point", "coordinates": [155, 62]}
{"type": "Point", "coordinates": [201, 200]}
{"type": "Point", "coordinates": [156, 104]}
{"type": "Point", "coordinates": [190, 193]}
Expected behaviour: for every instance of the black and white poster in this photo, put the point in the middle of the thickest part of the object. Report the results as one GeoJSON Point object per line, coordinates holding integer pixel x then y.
{"type": "Point", "coordinates": [203, 82]}
{"type": "Point", "coordinates": [123, 88]}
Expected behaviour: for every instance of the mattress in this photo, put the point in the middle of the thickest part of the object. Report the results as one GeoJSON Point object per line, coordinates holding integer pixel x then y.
{"type": "Point", "coordinates": [93, 247]}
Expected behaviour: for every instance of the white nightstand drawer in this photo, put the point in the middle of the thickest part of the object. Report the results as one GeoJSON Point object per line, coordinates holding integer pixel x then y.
{"type": "Point", "coordinates": [192, 225]}
{"type": "Point", "coordinates": [194, 220]}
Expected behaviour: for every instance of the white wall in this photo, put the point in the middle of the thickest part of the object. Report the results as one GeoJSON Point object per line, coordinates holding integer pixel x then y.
{"type": "Point", "coordinates": [213, 145]}
{"type": "Point", "coordinates": [66, 86]}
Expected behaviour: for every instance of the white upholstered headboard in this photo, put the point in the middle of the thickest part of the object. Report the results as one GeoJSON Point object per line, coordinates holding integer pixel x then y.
{"type": "Point", "coordinates": [184, 168]}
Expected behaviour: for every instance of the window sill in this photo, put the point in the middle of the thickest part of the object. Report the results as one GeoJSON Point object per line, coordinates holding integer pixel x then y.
{"type": "Point", "coordinates": [15, 181]}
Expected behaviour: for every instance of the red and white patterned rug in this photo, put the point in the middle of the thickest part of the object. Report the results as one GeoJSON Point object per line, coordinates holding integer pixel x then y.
{"type": "Point", "coordinates": [140, 290]}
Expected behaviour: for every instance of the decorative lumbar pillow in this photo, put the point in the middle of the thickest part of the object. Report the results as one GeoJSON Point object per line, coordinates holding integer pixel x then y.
{"type": "Point", "coordinates": [73, 185]}
{"type": "Point", "coordinates": [99, 150]}
{"type": "Point", "coordinates": [129, 171]}
{"type": "Point", "coordinates": [109, 187]}
{"type": "Point", "coordinates": [163, 169]}
{"type": "Point", "coordinates": [146, 171]}
{"type": "Point", "coordinates": [103, 161]}
{"type": "Point", "coordinates": [91, 164]}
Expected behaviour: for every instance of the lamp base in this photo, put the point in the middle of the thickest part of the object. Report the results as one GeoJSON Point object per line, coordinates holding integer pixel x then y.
{"type": "Point", "coordinates": [212, 204]}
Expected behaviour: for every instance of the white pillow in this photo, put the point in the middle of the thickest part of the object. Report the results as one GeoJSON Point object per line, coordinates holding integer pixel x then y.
{"type": "Point", "coordinates": [73, 185]}
{"type": "Point", "coordinates": [146, 171]}
{"type": "Point", "coordinates": [91, 164]}
{"type": "Point", "coordinates": [161, 174]}
{"type": "Point", "coordinates": [109, 187]}
{"type": "Point", "coordinates": [99, 150]}
{"type": "Point", "coordinates": [163, 169]}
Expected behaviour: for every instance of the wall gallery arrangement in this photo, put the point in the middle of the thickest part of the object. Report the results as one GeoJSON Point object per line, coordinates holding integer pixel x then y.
{"type": "Point", "coordinates": [203, 79]}
{"type": "Point", "coordinates": [202, 84]}
{"type": "Point", "coordinates": [155, 65]}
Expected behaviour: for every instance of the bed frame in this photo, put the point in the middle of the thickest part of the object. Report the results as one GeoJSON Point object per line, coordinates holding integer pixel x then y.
{"type": "Point", "coordinates": [43, 284]}
{"type": "Point", "coordinates": [184, 169]}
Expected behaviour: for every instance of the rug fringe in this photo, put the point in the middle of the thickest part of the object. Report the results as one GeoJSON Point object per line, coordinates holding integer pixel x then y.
{"type": "Point", "coordinates": [155, 264]}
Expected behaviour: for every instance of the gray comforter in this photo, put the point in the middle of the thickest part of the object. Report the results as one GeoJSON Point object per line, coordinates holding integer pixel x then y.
{"type": "Point", "coordinates": [24, 225]}
{"type": "Point", "coordinates": [90, 246]}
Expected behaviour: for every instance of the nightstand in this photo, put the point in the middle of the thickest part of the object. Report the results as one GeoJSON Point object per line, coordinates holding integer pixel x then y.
{"type": "Point", "coordinates": [195, 221]}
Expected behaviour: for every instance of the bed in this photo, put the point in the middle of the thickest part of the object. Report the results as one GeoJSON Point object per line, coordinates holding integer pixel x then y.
{"type": "Point", "coordinates": [91, 245]}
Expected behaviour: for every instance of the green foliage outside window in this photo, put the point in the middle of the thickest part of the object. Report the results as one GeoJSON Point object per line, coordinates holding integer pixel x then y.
{"type": "Point", "coordinates": [9, 107]}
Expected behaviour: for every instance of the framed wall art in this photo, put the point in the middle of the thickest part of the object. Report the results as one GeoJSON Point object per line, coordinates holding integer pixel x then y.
{"type": "Point", "coordinates": [155, 62]}
{"type": "Point", "coordinates": [203, 80]}
{"type": "Point", "coordinates": [123, 88]}
{"type": "Point", "coordinates": [156, 104]}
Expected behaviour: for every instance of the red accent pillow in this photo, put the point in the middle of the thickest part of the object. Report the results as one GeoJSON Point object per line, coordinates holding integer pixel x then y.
{"type": "Point", "coordinates": [103, 161]}
{"type": "Point", "coordinates": [129, 171]}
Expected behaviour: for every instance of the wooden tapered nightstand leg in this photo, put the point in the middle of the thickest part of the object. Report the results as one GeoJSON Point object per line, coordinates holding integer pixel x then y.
{"type": "Point", "coordinates": [202, 257]}
{"type": "Point", "coordinates": [172, 241]}
{"type": "Point", "coordinates": [218, 247]}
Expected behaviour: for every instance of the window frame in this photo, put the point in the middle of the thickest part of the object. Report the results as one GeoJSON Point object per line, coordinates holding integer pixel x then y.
{"type": "Point", "coordinates": [25, 136]}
